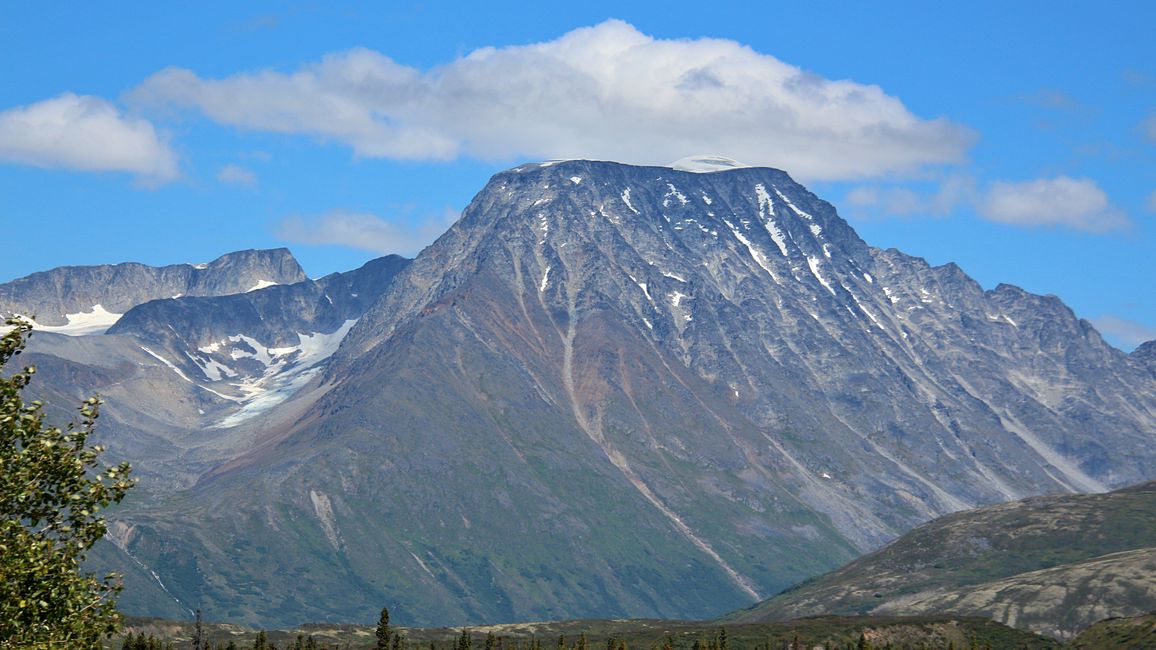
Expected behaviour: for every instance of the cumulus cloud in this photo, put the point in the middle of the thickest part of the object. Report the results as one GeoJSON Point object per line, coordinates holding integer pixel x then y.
{"type": "Point", "coordinates": [84, 133]}
{"type": "Point", "coordinates": [236, 175]}
{"type": "Point", "coordinates": [605, 92]}
{"type": "Point", "coordinates": [1079, 204]}
{"type": "Point", "coordinates": [898, 201]}
{"type": "Point", "coordinates": [364, 231]}
{"type": "Point", "coordinates": [1128, 332]}
{"type": "Point", "coordinates": [1062, 201]}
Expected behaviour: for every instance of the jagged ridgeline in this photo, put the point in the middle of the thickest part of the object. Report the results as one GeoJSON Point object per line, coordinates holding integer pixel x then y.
{"type": "Point", "coordinates": [606, 391]}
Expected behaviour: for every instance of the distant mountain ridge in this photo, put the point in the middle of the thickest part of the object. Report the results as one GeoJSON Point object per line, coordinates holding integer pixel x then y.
{"type": "Point", "coordinates": [52, 296]}
{"type": "Point", "coordinates": [603, 384]}
{"type": "Point", "coordinates": [177, 372]}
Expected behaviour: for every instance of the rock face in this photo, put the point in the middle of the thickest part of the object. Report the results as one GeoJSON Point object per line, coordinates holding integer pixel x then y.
{"type": "Point", "coordinates": [618, 391]}
{"type": "Point", "coordinates": [1145, 355]}
{"type": "Point", "coordinates": [1052, 565]}
{"type": "Point", "coordinates": [65, 295]}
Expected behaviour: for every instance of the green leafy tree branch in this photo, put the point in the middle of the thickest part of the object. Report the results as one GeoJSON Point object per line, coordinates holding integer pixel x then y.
{"type": "Point", "coordinates": [53, 489]}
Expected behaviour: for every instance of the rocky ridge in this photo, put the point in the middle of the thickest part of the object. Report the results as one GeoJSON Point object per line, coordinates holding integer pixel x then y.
{"type": "Point", "coordinates": [88, 298]}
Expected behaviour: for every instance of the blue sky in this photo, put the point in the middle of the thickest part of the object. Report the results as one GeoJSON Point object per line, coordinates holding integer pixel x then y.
{"type": "Point", "coordinates": [1015, 139]}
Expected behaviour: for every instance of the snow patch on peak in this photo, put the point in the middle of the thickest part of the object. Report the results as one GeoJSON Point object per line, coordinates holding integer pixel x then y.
{"type": "Point", "coordinates": [682, 200]}
{"type": "Point", "coordinates": [287, 369]}
{"type": "Point", "coordinates": [261, 284]}
{"type": "Point", "coordinates": [813, 263]}
{"type": "Point", "coordinates": [706, 164]}
{"type": "Point", "coordinates": [767, 216]}
{"type": "Point", "coordinates": [626, 200]}
{"type": "Point", "coordinates": [95, 321]}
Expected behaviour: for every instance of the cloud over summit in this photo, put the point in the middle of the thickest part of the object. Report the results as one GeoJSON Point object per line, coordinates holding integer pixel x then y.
{"type": "Point", "coordinates": [604, 92]}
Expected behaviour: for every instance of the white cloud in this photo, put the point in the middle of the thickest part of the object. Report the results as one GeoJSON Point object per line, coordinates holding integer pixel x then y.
{"type": "Point", "coordinates": [364, 231]}
{"type": "Point", "coordinates": [604, 92]}
{"type": "Point", "coordinates": [236, 175]}
{"type": "Point", "coordinates": [1129, 333]}
{"type": "Point", "coordinates": [83, 133]}
{"type": "Point", "coordinates": [1151, 204]}
{"type": "Point", "coordinates": [1079, 204]}
{"type": "Point", "coordinates": [1062, 201]}
{"type": "Point", "coordinates": [898, 201]}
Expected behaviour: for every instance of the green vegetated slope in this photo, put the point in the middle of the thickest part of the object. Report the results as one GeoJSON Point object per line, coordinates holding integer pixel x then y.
{"type": "Point", "coordinates": [641, 634]}
{"type": "Point", "coordinates": [1053, 565]}
{"type": "Point", "coordinates": [1133, 632]}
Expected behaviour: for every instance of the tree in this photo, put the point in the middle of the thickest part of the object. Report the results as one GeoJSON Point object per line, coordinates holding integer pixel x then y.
{"type": "Point", "coordinates": [52, 491]}
{"type": "Point", "coordinates": [199, 641]}
{"type": "Point", "coordinates": [383, 630]}
{"type": "Point", "coordinates": [465, 641]}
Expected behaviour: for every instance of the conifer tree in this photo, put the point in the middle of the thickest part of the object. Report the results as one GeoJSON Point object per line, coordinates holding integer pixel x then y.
{"type": "Point", "coordinates": [198, 633]}
{"type": "Point", "coordinates": [383, 631]}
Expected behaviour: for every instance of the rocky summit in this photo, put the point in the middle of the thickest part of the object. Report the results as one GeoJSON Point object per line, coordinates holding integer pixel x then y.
{"type": "Point", "coordinates": [606, 391]}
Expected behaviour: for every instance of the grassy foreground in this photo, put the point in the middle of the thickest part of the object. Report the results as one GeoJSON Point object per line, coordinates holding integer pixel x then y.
{"type": "Point", "coordinates": [828, 632]}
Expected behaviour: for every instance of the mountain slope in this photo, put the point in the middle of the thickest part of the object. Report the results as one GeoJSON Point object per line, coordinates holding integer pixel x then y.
{"type": "Point", "coordinates": [1129, 632]}
{"type": "Point", "coordinates": [1053, 565]}
{"type": "Point", "coordinates": [606, 383]}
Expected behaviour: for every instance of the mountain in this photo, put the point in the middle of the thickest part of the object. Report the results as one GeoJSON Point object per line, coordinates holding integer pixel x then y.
{"type": "Point", "coordinates": [1052, 565]}
{"type": "Point", "coordinates": [606, 391]}
{"type": "Point", "coordinates": [88, 299]}
{"type": "Point", "coordinates": [178, 373]}
{"type": "Point", "coordinates": [1145, 355]}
